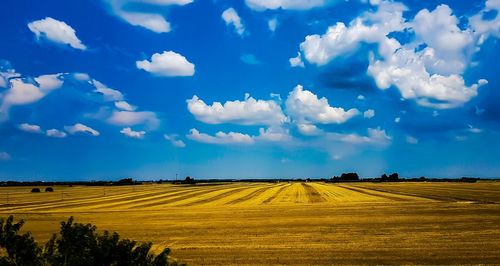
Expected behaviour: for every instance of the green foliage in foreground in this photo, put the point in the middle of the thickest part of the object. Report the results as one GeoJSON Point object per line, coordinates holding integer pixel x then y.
{"type": "Point", "coordinates": [77, 244]}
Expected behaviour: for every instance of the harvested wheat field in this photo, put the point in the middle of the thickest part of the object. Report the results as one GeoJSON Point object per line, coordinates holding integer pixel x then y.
{"type": "Point", "coordinates": [283, 223]}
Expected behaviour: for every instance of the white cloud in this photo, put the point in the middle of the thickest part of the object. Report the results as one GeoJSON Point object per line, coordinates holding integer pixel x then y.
{"type": "Point", "coordinates": [340, 39]}
{"type": "Point", "coordinates": [56, 31]}
{"type": "Point", "coordinates": [309, 130]}
{"type": "Point", "coordinates": [230, 16]}
{"type": "Point", "coordinates": [305, 107]}
{"type": "Point", "coordinates": [79, 128]}
{"type": "Point", "coordinates": [108, 93]}
{"type": "Point", "coordinates": [431, 76]}
{"type": "Point", "coordinates": [369, 113]}
{"type": "Point", "coordinates": [30, 128]}
{"type": "Point", "coordinates": [4, 156]}
{"type": "Point", "coordinates": [21, 92]}
{"type": "Point", "coordinates": [6, 75]}
{"type": "Point", "coordinates": [273, 134]}
{"type": "Point", "coordinates": [261, 5]}
{"type": "Point", "coordinates": [375, 136]}
{"type": "Point", "coordinates": [132, 134]}
{"type": "Point", "coordinates": [220, 137]}
{"type": "Point", "coordinates": [272, 24]}
{"type": "Point", "coordinates": [447, 43]}
{"type": "Point", "coordinates": [54, 133]}
{"type": "Point", "coordinates": [411, 140]}
{"type": "Point", "coordinates": [482, 27]}
{"type": "Point", "coordinates": [296, 61]}
{"type": "Point", "coordinates": [397, 120]}
{"type": "Point", "coordinates": [149, 20]}
{"type": "Point", "coordinates": [361, 97]}
{"type": "Point", "coordinates": [247, 112]}
{"type": "Point", "coordinates": [125, 106]}
{"type": "Point", "coordinates": [167, 64]}
{"type": "Point", "coordinates": [415, 82]}
{"type": "Point", "coordinates": [129, 118]}
{"type": "Point", "coordinates": [174, 141]}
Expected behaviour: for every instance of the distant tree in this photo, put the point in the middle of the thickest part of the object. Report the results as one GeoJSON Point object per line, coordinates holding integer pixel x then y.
{"type": "Point", "coordinates": [49, 189]}
{"type": "Point", "coordinates": [384, 178]}
{"type": "Point", "coordinates": [349, 177]}
{"type": "Point", "coordinates": [422, 178]}
{"type": "Point", "coordinates": [35, 190]}
{"type": "Point", "coordinates": [125, 181]}
{"type": "Point", "coordinates": [393, 177]}
{"type": "Point", "coordinates": [188, 180]}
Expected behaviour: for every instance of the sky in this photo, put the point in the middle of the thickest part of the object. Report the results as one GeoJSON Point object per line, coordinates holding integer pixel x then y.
{"type": "Point", "coordinates": [107, 89]}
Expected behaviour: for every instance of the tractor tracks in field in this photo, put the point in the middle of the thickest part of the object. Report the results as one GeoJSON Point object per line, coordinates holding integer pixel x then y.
{"type": "Point", "coordinates": [276, 194]}
{"type": "Point", "coordinates": [313, 194]}
{"type": "Point", "coordinates": [250, 196]}
{"type": "Point", "coordinates": [367, 192]}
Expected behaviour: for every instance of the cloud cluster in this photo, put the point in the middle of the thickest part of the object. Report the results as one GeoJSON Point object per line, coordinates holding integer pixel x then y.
{"type": "Point", "coordinates": [427, 69]}
{"type": "Point", "coordinates": [304, 110]}
{"type": "Point", "coordinates": [82, 129]}
{"type": "Point", "coordinates": [305, 107]}
{"type": "Point", "coordinates": [167, 64]}
{"type": "Point", "coordinates": [247, 112]}
{"type": "Point", "coordinates": [56, 31]}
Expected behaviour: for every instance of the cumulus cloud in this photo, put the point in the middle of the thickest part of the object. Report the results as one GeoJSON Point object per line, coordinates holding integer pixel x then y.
{"type": "Point", "coordinates": [261, 5]}
{"type": "Point", "coordinates": [56, 31]}
{"type": "Point", "coordinates": [174, 141]}
{"type": "Point", "coordinates": [30, 128]}
{"type": "Point", "coordinates": [132, 134]}
{"type": "Point", "coordinates": [432, 76]}
{"type": "Point", "coordinates": [369, 113]}
{"type": "Point", "coordinates": [306, 108]}
{"type": "Point", "coordinates": [149, 20]}
{"type": "Point", "coordinates": [273, 134]}
{"type": "Point", "coordinates": [484, 28]}
{"type": "Point", "coordinates": [130, 118]}
{"type": "Point", "coordinates": [55, 133]}
{"type": "Point", "coordinates": [167, 64]}
{"type": "Point", "coordinates": [79, 128]}
{"type": "Point", "coordinates": [375, 136]}
{"type": "Point", "coordinates": [230, 16]}
{"type": "Point", "coordinates": [125, 106]}
{"type": "Point", "coordinates": [247, 112]}
{"type": "Point", "coordinates": [309, 129]}
{"type": "Point", "coordinates": [22, 92]}
{"type": "Point", "coordinates": [220, 137]}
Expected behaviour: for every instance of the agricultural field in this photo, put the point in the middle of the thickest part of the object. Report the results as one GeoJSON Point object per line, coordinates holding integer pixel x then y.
{"type": "Point", "coordinates": [283, 223]}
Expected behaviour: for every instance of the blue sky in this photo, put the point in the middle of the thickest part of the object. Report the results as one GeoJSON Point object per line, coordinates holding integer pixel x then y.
{"type": "Point", "coordinates": [248, 89]}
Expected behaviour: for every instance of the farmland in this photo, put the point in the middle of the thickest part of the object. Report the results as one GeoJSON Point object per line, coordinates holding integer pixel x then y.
{"type": "Point", "coordinates": [283, 223]}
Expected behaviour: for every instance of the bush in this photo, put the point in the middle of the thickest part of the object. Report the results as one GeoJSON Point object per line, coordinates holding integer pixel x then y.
{"type": "Point", "coordinates": [49, 189]}
{"type": "Point", "coordinates": [35, 190]}
{"type": "Point", "coordinates": [76, 244]}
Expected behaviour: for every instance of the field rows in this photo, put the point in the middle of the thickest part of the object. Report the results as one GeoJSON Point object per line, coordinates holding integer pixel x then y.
{"type": "Point", "coordinates": [299, 223]}
{"type": "Point", "coordinates": [232, 194]}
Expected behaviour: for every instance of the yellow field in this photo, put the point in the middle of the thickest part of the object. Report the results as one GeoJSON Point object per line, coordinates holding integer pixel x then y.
{"type": "Point", "coordinates": [283, 223]}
